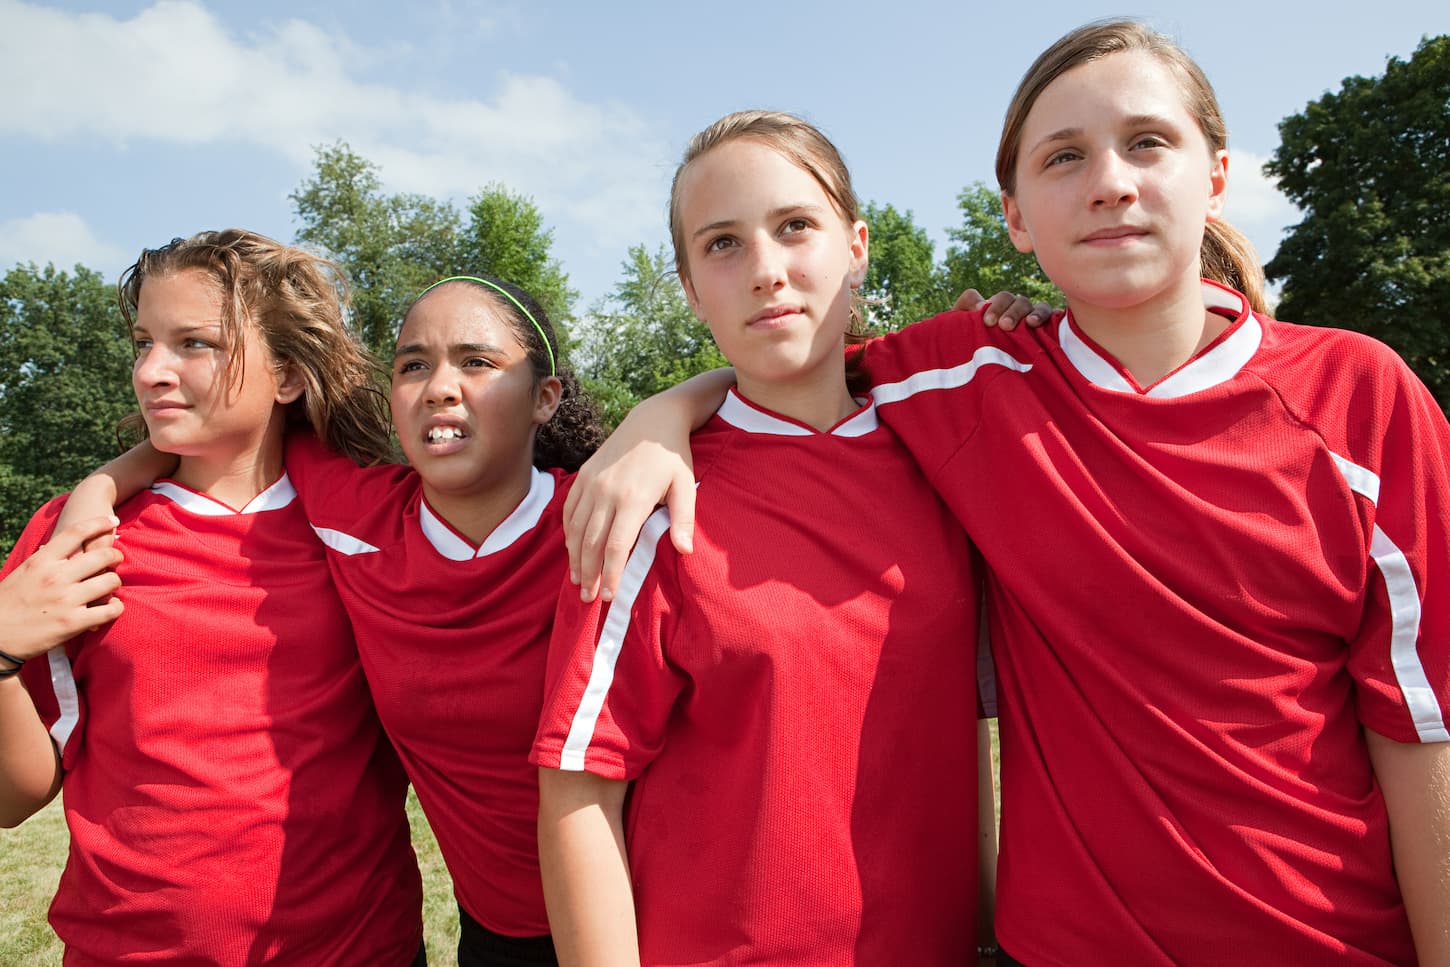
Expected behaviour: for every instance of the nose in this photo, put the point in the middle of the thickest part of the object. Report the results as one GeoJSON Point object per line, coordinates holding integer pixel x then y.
{"type": "Point", "coordinates": [1113, 180]}
{"type": "Point", "coordinates": [769, 266]}
{"type": "Point", "coordinates": [154, 366]}
{"type": "Point", "coordinates": [442, 388]}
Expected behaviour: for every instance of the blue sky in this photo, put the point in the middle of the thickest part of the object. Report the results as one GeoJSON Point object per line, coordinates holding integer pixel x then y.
{"type": "Point", "coordinates": [123, 124]}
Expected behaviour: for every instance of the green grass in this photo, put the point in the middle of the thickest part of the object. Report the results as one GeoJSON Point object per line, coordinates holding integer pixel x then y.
{"type": "Point", "coordinates": [31, 858]}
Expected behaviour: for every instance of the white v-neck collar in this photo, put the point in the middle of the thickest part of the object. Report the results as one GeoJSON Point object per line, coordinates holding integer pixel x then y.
{"type": "Point", "coordinates": [744, 415]}
{"type": "Point", "coordinates": [1216, 365]}
{"type": "Point", "coordinates": [453, 546]}
{"type": "Point", "coordinates": [279, 495]}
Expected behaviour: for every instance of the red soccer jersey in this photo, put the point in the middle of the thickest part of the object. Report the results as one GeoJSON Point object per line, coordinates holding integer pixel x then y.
{"type": "Point", "coordinates": [1199, 591]}
{"type": "Point", "coordinates": [454, 640]}
{"type": "Point", "coordinates": [230, 795]}
{"type": "Point", "coordinates": [794, 702]}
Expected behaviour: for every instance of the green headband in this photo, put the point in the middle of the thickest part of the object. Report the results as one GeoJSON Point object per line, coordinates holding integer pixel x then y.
{"type": "Point", "coordinates": [553, 369]}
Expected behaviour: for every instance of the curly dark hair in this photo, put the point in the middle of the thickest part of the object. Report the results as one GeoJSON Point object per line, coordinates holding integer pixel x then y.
{"type": "Point", "coordinates": [574, 432]}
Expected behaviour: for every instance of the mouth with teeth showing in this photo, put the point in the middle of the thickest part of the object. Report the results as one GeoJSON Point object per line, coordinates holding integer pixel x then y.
{"type": "Point", "coordinates": [444, 434]}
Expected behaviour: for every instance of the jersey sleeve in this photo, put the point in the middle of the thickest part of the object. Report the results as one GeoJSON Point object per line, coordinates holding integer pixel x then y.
{"type": "Point", "coordinates": [914, 371]}
{"type": "Point", "coordinates": [334, 490]}
{"type": "Point", "coordinates": [48, 679]}
{"type": "Point", "coordinates": [610, 686]}
{"type": "Point", "coordinates": [1400, 657]}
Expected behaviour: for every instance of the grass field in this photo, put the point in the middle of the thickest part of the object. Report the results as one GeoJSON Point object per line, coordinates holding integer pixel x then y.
{"type": "Point", "coordinates": [31, 858]}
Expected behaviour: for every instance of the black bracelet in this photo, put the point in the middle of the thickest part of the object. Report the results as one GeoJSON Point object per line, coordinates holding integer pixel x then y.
{"type": "Point", "coordinates": [17, 662]}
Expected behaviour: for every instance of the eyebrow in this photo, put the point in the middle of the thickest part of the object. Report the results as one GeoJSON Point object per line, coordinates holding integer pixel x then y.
{"type": "Point", "coordinates": [1135, 121]}
{"type": "Point", "coordinates": [773, 213]}
{"type": "Point", "coordinates": [417, 348]}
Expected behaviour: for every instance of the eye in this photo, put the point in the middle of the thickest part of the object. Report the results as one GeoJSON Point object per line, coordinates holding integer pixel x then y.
{"type": "Point", "coordinates": [478, 362]}
{"type": "Point", "coordinates": [1062, 157]}
{"type": "Point", "coordinates": [1149, 141]}
{"type": "Point", "coordinates": [410, 366]}
{"type": "Point", "coordinates": [191, 342]}
{"type": "Point", "coordinates": [720, 243]}
{"type": "Point", "coordinates": [795, 226]}
{"type": "Point", "coordinates": [143, 343]}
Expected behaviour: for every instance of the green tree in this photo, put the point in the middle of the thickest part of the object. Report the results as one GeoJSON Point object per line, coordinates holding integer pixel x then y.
{"type": "Point", "coordinates": [982, 255]}
{"type": "Point", "coordinates": [506, 238]}
{"type": "Point", "coordinates": [390, 246]}
{"type": "Point", "coordinates": [1369, 166]}
{"type": "Point", "coordinates": [903, 283]}
{"type": "Point", "coordinates": [643, 337]}
{"type": "Point", "coordinates": [64, 365]}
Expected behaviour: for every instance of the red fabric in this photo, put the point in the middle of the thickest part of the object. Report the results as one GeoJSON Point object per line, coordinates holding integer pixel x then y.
{"type": "Point", "coordinates": [454, 652]}
{"type": "Point", "coordinates": [794, 702]}
{"type": "Point", "coordinates": [1189, 628]}
{"type": "Point", "coordinates": [230, 795]}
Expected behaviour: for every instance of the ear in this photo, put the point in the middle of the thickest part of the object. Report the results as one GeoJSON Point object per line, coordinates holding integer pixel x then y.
{"type": "Point", "coordinates": [549, 394]}
{"type": "Point", "coordinates": [860, 254]}
{"type": "Point", "coordinates": [1217, 185]}
{"type": "Point", "coordinates": [290, 384]}
{"type": "Point", "coordinates": [1016, 227]}
{"type": "Point", "coordinates": [690, 294]}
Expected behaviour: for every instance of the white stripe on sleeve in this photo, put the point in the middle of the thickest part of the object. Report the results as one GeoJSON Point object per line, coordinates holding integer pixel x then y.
{"type": "Point", "coordinates": [611, 640]}
{"type": "Point", "coordinates": [1404, 598]}
{"type": "Point", "coordinates": [64, 685]}
{"type": "Point", "coordinates": [931, 379]}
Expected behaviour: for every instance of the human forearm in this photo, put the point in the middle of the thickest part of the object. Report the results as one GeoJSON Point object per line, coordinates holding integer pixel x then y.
{"type": "Point", "coordinates": [586, 870]}
{"type": "Point", "coordinates": [1415, 780]}
{"type": "Point", "coordinates": [116, 482]}
{"type": "Point", "coordinates": [645, 461]}
{"type": "Point", "coordinates": [29, 771]}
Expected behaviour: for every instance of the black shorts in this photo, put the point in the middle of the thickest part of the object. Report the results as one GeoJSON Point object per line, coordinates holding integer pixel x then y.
{"type": "Point", "coordinates": [479, 946]}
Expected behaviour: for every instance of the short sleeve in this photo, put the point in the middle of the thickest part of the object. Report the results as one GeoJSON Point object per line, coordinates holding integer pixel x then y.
{"type": "Point", "coordinates": [1400, 656]}
{"type": "Point", "coordinates": [610, 687]}
{"type": "Point", "coordinates": [333, 490]}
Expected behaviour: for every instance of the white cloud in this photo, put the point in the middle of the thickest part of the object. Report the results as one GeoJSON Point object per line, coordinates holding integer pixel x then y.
{"type": "Point", "coordinates": [62, 238]}
{"type": "Point", "coordinates": [175, 74]}
{"type": "Point", "coordinates": [1255, 205]}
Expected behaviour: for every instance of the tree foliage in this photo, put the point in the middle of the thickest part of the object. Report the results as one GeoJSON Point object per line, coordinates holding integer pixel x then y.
{"type": "Point", "coordinates": [903, 283]}
{"type": "Point", "coordinates": [65, 361]}
{"type": "Point", "coordinates": [982, 255]}
{"type": "Point", "coordinates": [643, 337]}
{"type": "Point", "coordinates": [1369, 166]}
{"type": "Point", "coordinates": [392, 246]}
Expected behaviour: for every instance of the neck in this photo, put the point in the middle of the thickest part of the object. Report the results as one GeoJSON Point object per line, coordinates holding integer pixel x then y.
{"type": "Point", "coordinates": [476, 515]}
{"type": "Point", "coordinates": [1154, 338]}
{"type": "Point", "coordinates": [235, 480]}
{"type": "Point", "coordinates": [818, 399]}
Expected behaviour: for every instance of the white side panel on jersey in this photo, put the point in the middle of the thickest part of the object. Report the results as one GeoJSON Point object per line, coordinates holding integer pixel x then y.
{"type": "Point", "coordinates": [934, 379]}
{"type": "Point", "coordinates": [1404, 598]}
{"type": "Point", "coordinates": [64, 685]}
{"type": "Point", "coordinates": [611, 640]}
{"type": "Point", "coordinates": [342, 543]}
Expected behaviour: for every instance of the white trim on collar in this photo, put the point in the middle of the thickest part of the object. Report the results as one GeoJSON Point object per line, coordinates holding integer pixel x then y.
{"type": "Point", "coordinates": [1218, 365]}
{"type": "Point", "coordinates": [752, 419]}
{"type": "Point", "coordinates": [279, 495]}
{"type": "Point", "coordinates": [447, 542]}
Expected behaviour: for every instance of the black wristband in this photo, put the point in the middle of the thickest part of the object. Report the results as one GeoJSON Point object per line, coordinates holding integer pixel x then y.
{"type": "Point", "coordinates": [17, 662]}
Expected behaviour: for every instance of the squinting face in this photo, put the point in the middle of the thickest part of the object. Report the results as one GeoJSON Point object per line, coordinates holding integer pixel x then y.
{"type": "Point", "coordinates": [769, 262]}
{"type": "Point", "coordinates": [180, 374]}
{"type": "Point", "coordinates": [1115, 183]}
{"type": "Point", "coordinates": [464, 398]}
